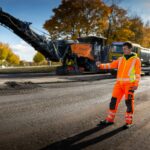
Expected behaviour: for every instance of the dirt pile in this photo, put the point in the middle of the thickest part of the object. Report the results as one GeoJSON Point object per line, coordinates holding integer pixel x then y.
{"type": "Point", "coordinates": [18, 88]}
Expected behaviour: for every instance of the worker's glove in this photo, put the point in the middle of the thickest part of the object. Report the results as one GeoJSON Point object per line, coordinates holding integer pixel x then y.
{"type": "Point", "coordinates": [98, 63]}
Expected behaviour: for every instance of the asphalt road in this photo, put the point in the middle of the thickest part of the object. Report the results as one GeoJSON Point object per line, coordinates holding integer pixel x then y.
{"type": "Point", "coordinates": [51, 116]}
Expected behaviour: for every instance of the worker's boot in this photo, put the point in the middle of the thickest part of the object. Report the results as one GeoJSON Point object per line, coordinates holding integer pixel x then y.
{"type": "Point", "coordinates": [106, 122]}
{"type": "Point", "coordinates": [129, 122]}
{"type": "Point", "coordinates": [127, 126]}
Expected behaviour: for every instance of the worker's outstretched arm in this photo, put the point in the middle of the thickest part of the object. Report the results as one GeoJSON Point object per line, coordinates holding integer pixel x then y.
{"type": "Point", "coordinates": [137, 72]}
{"type": "Point", "coordinates": [113, 65]}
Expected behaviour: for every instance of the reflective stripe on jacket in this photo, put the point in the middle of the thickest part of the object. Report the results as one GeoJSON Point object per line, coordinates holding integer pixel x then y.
{"type": "Point", "coordinates": [129, 71]}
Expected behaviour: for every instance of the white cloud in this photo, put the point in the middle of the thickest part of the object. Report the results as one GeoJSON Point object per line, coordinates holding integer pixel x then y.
{"type": "Point", "coordinates": [23, 50]}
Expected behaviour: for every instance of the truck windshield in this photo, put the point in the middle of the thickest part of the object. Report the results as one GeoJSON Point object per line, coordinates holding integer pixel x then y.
{"type": "Point", "coordinates": [116, 49]}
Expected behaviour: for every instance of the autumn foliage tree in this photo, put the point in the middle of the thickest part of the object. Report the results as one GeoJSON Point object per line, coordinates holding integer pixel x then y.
{"type": "Point", "coordinates": [38, 57]}
{"type": "Point", "coordinates": [7, 56]}
{"type": "Point", "coordinates": [4, 50]}
{"type": "Point", "coordinates": [146, 35]}
{"type": "Point", "coordinates": [77, 18]}
{"type": "Point", "coordinates": [12, 58]}
{"type": "Point", "coordinates": [119, 25]}
{"type": "Point", "coordinates": [137, 27]}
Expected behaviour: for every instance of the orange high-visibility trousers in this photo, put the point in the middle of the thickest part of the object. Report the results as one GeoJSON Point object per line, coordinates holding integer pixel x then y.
{"type": "Point", "coordinates": [121, 89]}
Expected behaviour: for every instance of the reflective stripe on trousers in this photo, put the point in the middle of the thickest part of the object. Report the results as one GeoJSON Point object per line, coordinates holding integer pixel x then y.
{"type": "Point", "coordinates": [129, 118]}
{"type": "Point", "coordinates": [111, 116]}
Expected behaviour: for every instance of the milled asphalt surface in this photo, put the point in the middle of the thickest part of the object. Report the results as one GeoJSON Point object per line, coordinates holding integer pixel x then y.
{"type": "Point", "coordinates": [49, 77]}
{"type": "Point", "coordinates": [61, 112]}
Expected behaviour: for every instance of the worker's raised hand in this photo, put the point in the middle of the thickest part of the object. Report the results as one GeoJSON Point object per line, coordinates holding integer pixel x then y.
{"type": "Point", "coordinates": [98, 63]}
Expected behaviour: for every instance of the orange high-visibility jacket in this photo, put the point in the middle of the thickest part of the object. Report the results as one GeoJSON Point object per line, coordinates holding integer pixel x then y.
{"type": "Point", "coordinates": [129, 71]}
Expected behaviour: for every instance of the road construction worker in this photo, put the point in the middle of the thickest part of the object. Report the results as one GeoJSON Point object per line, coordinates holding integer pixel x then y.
{"type": "Point", "coordinates": [128, 76]}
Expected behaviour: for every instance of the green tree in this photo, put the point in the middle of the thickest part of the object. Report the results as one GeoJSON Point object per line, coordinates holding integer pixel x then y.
{"type": "Point", "coordinates": [38, 57]}
{"type": "Point", "coordinates": [77, 18]}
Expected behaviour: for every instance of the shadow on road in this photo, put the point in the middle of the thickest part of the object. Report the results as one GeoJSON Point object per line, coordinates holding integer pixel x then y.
{"type": "Point", "coordinates": [69, 143]}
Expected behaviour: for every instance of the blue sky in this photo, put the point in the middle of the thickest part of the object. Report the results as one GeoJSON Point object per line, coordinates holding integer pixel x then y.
{"type": "Point", "coordinates": [37, 11]}
{"type": "Point", "coordinates": [139, 7]}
